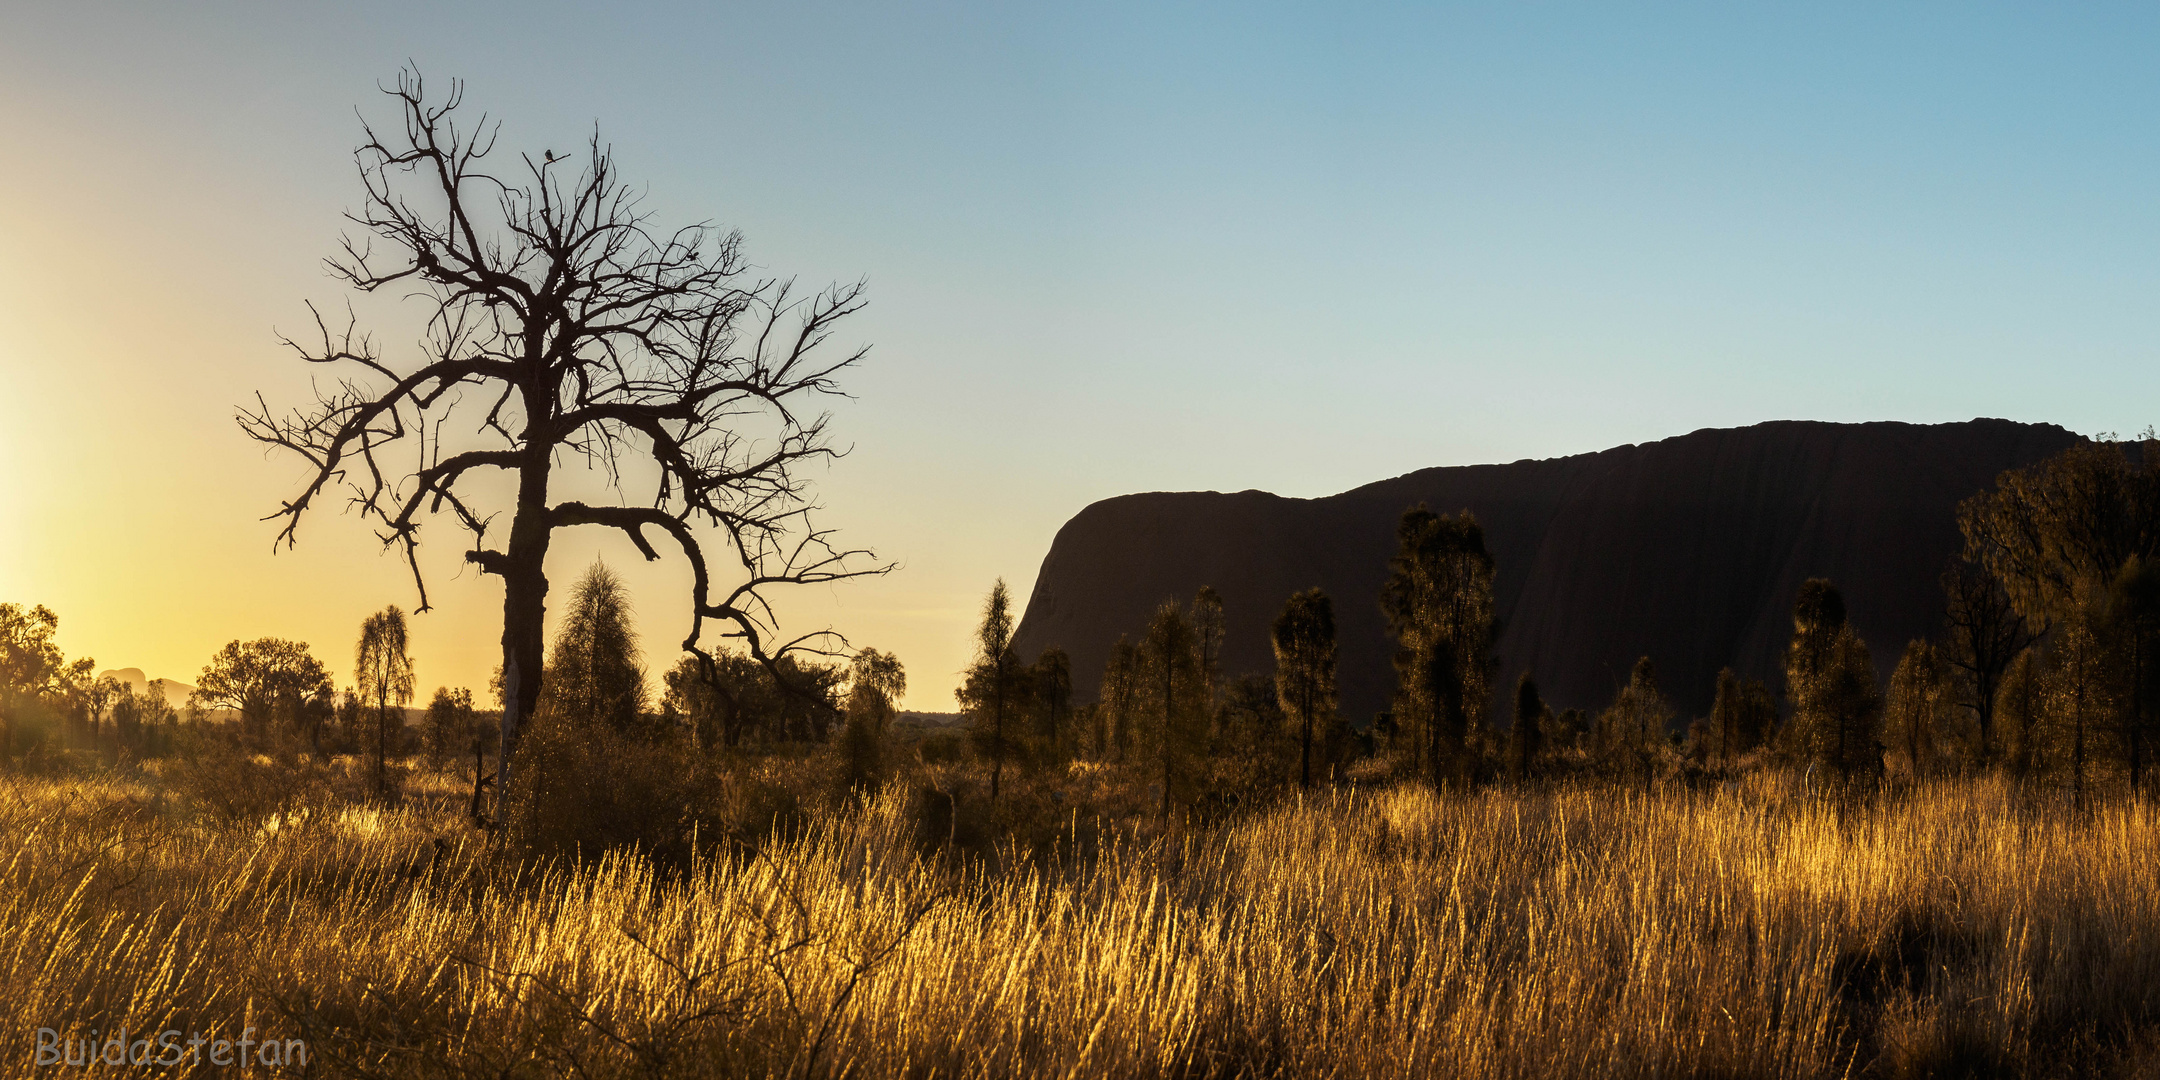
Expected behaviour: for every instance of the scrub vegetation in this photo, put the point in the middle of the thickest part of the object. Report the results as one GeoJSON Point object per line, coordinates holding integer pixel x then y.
{"type": "Point", "coordinates": [752, 863]}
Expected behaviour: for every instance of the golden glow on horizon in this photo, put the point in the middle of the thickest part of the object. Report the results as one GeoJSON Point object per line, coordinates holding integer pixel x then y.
{"type": "Point", "coordinates": [129, 504]}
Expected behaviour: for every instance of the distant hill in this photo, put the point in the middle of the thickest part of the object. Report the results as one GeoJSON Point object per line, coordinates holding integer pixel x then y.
{"type": "Point", "coordinates": [1688, 550]}
{"type": "Point", "coordinates": [175, 691]}
{"type": "Point", "coordinates": [929, 719]}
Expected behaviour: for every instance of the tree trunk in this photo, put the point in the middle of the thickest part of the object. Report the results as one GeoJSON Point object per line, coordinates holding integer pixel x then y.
{"type": "Point", "coordinates": [1912, 742]}
{"type": "Point", "coordinates": [2137, 708]}
{"type": "Point", "coordinates": [1167, 707]}
{"type": "Point", "coordinates": [997, 723]}
{"type": "Point", "coordinates": [480, 780]}
{"type": "Point", "coordinates": [2077, 754]}
{"type": "Point", "coordinates": [382, 740]}
{"type": "Point", "coordinates": [524, 606]}
{"type": "Point", "coordinates": [1305, 712]}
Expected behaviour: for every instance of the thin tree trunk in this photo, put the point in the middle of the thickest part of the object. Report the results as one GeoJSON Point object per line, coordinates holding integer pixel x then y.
{"type": "Point", "coordinates": [2077, 754]}
{"type": "Point", "coordinates": [1168, 684]}
{"type": "Point", "coordinates": [382, 740]}
{"type": "Point", "coordinates": [2137, 707]}
{"type": "Point", "coordinates": [479, 781]}
{"type": "Point", "coordinates": [1305, 710]}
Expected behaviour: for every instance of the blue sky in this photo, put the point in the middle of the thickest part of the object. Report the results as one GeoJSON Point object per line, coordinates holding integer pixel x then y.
{"type": "Point", "coordinates": [1109, 249]}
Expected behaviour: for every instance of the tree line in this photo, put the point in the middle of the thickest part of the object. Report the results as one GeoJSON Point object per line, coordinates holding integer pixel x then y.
{"type": "Point", "coordinates": [2044, 667]}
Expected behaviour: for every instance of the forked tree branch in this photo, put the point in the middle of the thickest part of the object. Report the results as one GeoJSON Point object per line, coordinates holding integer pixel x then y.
{"type": "Point", "coordinates": [581, 330]}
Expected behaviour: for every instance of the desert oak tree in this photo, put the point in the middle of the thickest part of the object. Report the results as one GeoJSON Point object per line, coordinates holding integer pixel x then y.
{"type": "Point", "coordinates": [563, 322]}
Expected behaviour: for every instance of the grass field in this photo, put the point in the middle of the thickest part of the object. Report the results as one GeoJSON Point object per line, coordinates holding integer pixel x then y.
{"type": "Point", "coordinates": [1755, 930]}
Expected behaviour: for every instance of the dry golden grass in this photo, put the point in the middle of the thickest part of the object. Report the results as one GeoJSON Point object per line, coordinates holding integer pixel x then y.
{"type": "Point", "coordinates": [1953, 930]}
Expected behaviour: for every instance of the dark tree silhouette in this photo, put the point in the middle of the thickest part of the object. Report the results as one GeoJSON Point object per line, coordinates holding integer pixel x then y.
{"type": "Point", "coordinates": [996, 682]}
{"type": "Point", "coordinates": [2134, 615]}
{"type": "Point", "coordinates": [1305, 670]}
{"type": "Point", "coordinates": [2058, 536]}
{"type": "Point", "coordinates": [1741, 714]}
{"type": "Point", "coordinates": [594, 675]}
{"type": "Point", "coordinates": [1053, 698]}
{"type": "Point", "coordinates": [1831, 680]}
{"type": "Point", "coordinates": [34, 676]}
{"type": "Point", "coordinates": [449, 723]}
{"type": "Point", "coordinates": [1171, 686]}
{"type": "Point", "coordinates": [383, 668]}
{"type": "Point", "coordinates": [877, 681]}
{"type": "Point", "coordinates": [1526, 731]}
{"type": "Point", "coordinates": [1117, 700]}
{"type": "Point", "coordinates": [1438, 599]}
{"type": "Point", "coordinates": [256, 677]}
{"type": "Point", "coordinates": [2057, 532]}
{"type": "Point", "coordinates": [1985, 634]}
{"type": "Point", "coordinates": [1631, 728]}
{"type": "Point", "coordinates": [1208, 632]}
{"type": "Point", "coordinates": [1917, 712]}
{"type": "Point", "coordinates": [2020, 704]}
{"type": "Point", "coordinates": [563, 323]}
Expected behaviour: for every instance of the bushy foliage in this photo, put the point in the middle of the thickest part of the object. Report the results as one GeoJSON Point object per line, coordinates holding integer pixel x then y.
{"type": "Point", "coordinates": [1438, 600]}
{"type": "Point", "coordinates": [1632, 730]}
{"type": "Point", "coordinates": [1742, 716]}
{"type": "Point", "coordinates": [1922, 725]}
{"type": "Point", "coordinates": [740, 703]}
{"type": "Point", "coordinates": [264, 681]}
{"type": "Point", "coordinates": [452, 725]}
{"type": "Point", "coordinates": [593, 672]}
{"type": "Point", "coordinates": [1830, 679]}
{"type": "Point", "coordinates": [876, 682]}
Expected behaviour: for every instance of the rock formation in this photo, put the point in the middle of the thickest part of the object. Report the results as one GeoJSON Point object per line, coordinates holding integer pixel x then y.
{"type": "Point", "coordinates": [1687, 550]}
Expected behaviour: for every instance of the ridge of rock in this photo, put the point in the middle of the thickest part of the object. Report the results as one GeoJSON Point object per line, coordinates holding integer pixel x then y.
{"type": "Point", "coordinates": [1687, 550]}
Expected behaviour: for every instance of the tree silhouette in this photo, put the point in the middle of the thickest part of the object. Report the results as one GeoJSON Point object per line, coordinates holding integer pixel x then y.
{"type": "Point", "coordinates": [563, 323]}
{"type": "Point", "coordinates": [1208, 632]}
{"type": "Point", "coordinates": [1630, 729]}
{"type": "Point", "coordinates": [1053, 698]}
{"type": "Point", "coordinates": [142, 720]}
{"type": "Point", "coordinates": [255, 677]}
{"type": "Point", "coordinates": [1438, 599]}
{"type": "Point", "coordinates": [2059, 536]}
{"type": "Point", "coordinates": [96, 696]}
{"type": "Point", "coordinates": [735, 697]}
{"type": "Point", "coordinates": [996, 681]}
{"type": "Point", "coordinates": [1172, 688]}
{"type": "Point", "coordinates": [593, 675]}
{"type": "Point", "coordinates": [1831, 680]}
{"type": "Point", "coordinates": [1117, 700]}
{"type": "Point", "coordinates": [1985, 634]}
{"type": "Point", "coordinates": [1741, 714]}
{"type": "Point", "coordinates": [1525, 730]}
{"type": "Point", "coordinates": [33, 673]}
{"type": "Point", "coordinates": [449, 723]}
{"type": "Point", "coordinates": [2133, 614]}
{"type": "Point", "coordinates": [382, 666]}
{"type": "Point", "coordinates": [2020, 702]}
{"type": "Point", "coordinates": [2056, 533]}
{"type": "Point", "coordinates": [876, 683]}
{"type": "Point", "coordinates": [1917, 713]}
{"type": "Point", "coordinates": [1304, 640]}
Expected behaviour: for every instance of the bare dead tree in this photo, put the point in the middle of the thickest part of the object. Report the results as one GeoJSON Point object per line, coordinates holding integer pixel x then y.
{"type": "Point", "coordinates": [563, 325]}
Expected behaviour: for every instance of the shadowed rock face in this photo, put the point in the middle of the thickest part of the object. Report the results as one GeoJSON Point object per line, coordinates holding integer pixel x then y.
{"type": "Point", "coordinates": [1688, 551]}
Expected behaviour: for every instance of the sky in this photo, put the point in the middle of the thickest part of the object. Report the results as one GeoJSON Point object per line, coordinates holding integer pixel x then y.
{"type": "Point", "coordinates": [1109, 248]}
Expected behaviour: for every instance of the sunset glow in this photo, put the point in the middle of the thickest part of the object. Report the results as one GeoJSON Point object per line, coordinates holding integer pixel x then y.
{"type": "Point", "coordinates": [1151, 252]}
